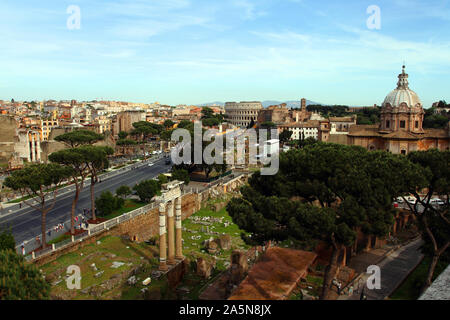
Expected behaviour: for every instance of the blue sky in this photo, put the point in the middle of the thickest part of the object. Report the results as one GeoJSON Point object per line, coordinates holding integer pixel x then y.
{"type": "Point", "coordinates": [195, 51]}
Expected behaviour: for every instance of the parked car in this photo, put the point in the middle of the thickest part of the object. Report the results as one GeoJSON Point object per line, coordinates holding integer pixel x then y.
{"type": "Point", "coordinates": [399, 200]}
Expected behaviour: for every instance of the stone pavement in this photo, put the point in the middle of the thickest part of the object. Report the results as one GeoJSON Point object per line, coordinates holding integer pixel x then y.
{"type": "Point", "coordinates": [394, 270]}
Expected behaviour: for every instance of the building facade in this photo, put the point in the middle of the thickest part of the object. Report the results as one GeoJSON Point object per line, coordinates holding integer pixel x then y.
{"type": "Point", "coordinates": [124, 121]}
{"type": "Point", "coordinates": [341, 125]}
{"type": "Point", "coordinates": [280, 114]}
{"type": "Point", "coordinates": [319, 130]}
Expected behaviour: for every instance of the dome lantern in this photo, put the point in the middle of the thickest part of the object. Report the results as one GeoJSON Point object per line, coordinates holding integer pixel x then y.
{"type": "Point", "coordinates": [403, 80]}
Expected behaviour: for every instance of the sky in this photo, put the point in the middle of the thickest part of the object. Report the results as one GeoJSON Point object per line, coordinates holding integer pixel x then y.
{"type": "Point", "coordinates": [198, 51]}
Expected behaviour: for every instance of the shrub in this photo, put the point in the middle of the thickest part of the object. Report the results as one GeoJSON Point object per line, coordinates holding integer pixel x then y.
{"type": "Point", "coordinates": [123, 191]}
{"type": "Point", "coordinates": [107, 203]}
{"type": "Point", "coordinates": [147, 189]}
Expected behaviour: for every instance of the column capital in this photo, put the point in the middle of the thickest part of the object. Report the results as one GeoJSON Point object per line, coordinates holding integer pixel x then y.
{"type": "Point", "coordinates": [170, 207]}
{"type": "Point", "coordinates": [162, 208]}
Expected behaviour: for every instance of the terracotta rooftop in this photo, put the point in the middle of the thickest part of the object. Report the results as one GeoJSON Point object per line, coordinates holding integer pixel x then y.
{"type": "Point", "coordinates": [275, 275]}
{"type": "Point", "coordinates": [373, 131]}
{"type": "Point", "coordinates": [342, 119]}
{"type": "Point", "coordinates": [305, 124]}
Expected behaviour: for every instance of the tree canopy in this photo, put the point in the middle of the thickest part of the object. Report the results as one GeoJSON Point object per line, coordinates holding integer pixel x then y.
{"type": "Point", "coordinates": [322, 192]}
{"type": "Point", "coordinates": [122, 135]}
{"type": "Point", "coordinates": [180, 175]}
{"type": "Point", "coordinates": [285, 136]}
{"type": "Point", "coordinates": [97, 161]}
{"type": "Point", "coordinates": [146, 129]}
{"type": "Point", "coordinates": [209, 118]}
{"type": "Point", "coordinates": [77, 138]}
{"type": "Point", "coordinates": [123, 191]}
{"type": "Point", "coordinates": [147, 189]}
{"type": "Point", "coordinates": [20, 280]}
{"type": "Point", "coordinates": [40, 182]}
{"type": "Point", "coordinates": [168, 124]}
{"type": "Point", "coordinates": [77, 159]}
{"type": "Point", "coordinates": [429, 172]}
{"type": "Point", "coordinates": [107, 203]}
{"type": "Point", "coordinates": [126, 142]}
{"type": "Point", "coordinates": [186, 124]}
{"type": "Point", "coordinates": [37, 179]}
{"type": "Point", "coordinates": [7, 241]}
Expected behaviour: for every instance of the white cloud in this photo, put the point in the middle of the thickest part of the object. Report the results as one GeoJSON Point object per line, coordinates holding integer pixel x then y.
{"type": "Point", "coordinates": [286, 36]}
{"type": "Point", "coordinates": [250, 12]}
{"type": "Point", "coordinates": [439, 9]}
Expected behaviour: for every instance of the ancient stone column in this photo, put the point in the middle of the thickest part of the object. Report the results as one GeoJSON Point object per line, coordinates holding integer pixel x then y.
{"type": "Point", "coordinates": [170, 234]}
{"type": "Point", "coordinates": [162, 237]}
{"type": "Point", "coordinates": [179, 239]}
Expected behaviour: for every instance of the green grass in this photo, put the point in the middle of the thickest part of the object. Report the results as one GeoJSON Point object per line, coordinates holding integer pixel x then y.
{"type": "Point", "coordinates": [317, 281]}
{"type": "Point", "coordinates": [296, 296]}
{"type": "Point", "coordinates": [20, 199]}
{"type": "Point", "coordinates": [129, 205]}
{"type": "Point", "coordinates": [61, 238]}
{"type": "Point", "coordinates": [410, 288]}
{"type": "Point", "coordinates": [128, 252]}
{"type": "Point", "coordinates": [193, 247]}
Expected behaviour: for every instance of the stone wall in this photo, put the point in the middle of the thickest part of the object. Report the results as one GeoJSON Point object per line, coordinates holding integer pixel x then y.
{"type": "Point", "coordinates": [140, 228]}
{"type": "Point", "coordinates": [338, 139]}
{"type": "Point", "coordinates": [146, 226]}
{"type": "Point", "coordinates": [8, 138]}
{"type": "Point", "coordinates": [363, 242]}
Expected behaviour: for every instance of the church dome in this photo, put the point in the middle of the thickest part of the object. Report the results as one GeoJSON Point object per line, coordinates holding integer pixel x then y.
{"type": "Point", "coordinates": [402, 94]}
{"type": "Point", "coordinates": [402, 110]}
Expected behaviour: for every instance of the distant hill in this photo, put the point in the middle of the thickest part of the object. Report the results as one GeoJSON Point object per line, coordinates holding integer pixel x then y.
{"type": "Point", "coordinates": [216, 103]}
{"type": "Point", "coordinates": [267, 103]}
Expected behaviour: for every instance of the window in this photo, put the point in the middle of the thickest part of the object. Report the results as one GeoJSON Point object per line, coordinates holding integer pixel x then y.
{"type": "Point", "coordinates": [402, 124]}
{"type": "Point", "coordinates": [417, 124]}
{"type": "Point", "coordinates": [388, 124]}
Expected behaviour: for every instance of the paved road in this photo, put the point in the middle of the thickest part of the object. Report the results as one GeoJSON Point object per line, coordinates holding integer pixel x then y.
{"type": "Point", "coordinates": [26, 222]}
{"type": "Point", "coordinates": [394, 269]}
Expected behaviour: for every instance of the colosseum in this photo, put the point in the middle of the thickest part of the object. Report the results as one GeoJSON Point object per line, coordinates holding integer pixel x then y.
{"type": "Point", "coordinates": [242, 113]}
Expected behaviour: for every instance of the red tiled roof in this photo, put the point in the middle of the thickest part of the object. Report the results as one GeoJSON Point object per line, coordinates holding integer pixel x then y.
{"type": "Point", "coordinates": [373, 131]}
{"type": "Point", "coordinates": [275, 275]}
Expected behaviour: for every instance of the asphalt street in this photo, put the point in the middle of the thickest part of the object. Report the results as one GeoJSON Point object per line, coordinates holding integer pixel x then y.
{"type": "Point", "coordinates": [26, 222]}
{"type": "Point", "coordinates": [394, 270]}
